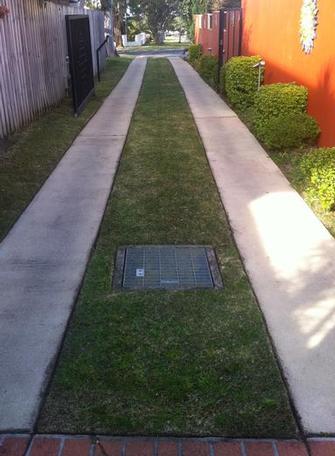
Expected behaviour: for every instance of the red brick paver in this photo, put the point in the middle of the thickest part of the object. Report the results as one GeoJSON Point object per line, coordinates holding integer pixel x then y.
{"type": "Point", "coordinates": [259, 449]}
{"type": "Point", "coordinates": [167, 448]}
{"type": "Point", "coordinates": [291, 449]}
{"type": "Point", "coordinates": [44, 446]}
{"type": "Point", "coordinates": [76, 447]}
{"type": "Point", "coordinates": [60, 445]}
{"type": "Point", "coordinates": [13, 445]}
{"type": "Point", "coordinates": [138, 447]}
{"type": "Point", "coordinates": [192, 447]}
{"type": "Point", "coordinates": [322, 448]}
{"type": "Point", "coordinates": [111, 447]}
{"type": "Point", "coordinates": [227, 449]}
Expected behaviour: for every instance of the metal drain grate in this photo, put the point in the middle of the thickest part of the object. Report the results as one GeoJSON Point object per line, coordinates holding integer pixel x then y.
{"type": "Point", "coordinates": [166, 267]}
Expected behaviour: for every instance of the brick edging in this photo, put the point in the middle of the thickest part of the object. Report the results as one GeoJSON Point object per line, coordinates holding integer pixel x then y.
{"type": "Point", "coordinates": [81, 445]}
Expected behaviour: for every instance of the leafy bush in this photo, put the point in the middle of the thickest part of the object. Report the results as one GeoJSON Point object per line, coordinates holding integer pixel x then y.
{"type": "Point", "coordinates": [239, 80]}
{"type": "Point", "coordinates": [194, 52]}
{"type": "Point", "coordinates": [273, 100]}
{"type": "Point", "coordinates": [208, 67]}
{"type": "Point", "coordinates": [288, 131]}
{"type": "Point", "coordinates": [281, 101]}
{"type": "Point", "coordinates": [222, 80]}
{"type": "Point", "coordinates": [317, 170]}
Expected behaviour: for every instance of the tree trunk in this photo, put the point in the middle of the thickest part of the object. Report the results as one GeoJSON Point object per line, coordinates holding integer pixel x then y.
{"type": "Point", "coordinates": [110, 31]}
{"type": "Point", "coordinates": [158, 37]}
{"type": "Point", "coordinates": [117, 30]}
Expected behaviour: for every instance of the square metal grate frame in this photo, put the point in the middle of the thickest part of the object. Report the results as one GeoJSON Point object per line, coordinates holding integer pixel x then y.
{"type": "Point", "coordinates": [166, 267]}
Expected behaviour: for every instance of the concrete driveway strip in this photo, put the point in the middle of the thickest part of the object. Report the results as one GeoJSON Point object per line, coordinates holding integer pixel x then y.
{"type": "Point", "coordinates": [288, 254]}
{"type": "Point", "coordinates": [43, 258]}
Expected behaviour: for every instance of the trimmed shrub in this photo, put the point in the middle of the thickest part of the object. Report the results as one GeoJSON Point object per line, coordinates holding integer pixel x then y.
{"type": "Point", "coordinates": [289, 131]}
{"type": "Point", "coordinates": [317, 169]}
{"type": "Point", "coordinates": [280, 101]}
{"type": "Point", "coordinates": [194, 52]}
{"type": "Point", "coordinates": [239, 80]}
{"type": "Point", "coordinates": [273, 100]}
{"type": "Point", "coordinates": [207, 66]}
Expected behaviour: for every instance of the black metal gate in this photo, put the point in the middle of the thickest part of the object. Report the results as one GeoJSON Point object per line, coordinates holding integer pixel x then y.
{"type": "Point", "coordinates": [230, 30]}
{"type": "Point", "coordinates": [80, 55]}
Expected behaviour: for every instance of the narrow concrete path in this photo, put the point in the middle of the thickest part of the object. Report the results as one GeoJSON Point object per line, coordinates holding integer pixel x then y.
{"type": "Point", "coordinates": [287, 252]}
{"type": "Point", "coordinates": [43, 258]}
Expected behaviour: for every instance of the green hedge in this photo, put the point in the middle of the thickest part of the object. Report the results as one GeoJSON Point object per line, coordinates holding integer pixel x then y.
{"type": "Point", "coordinates": [275, 99]}
{"type": "Point", "coordinates": [207, 66]}
{"type": "Point", "coordinates": [194, 53]}
{"type": "Point", "coordinates": [239, 80]}
{"type": "Point", "coordinates": [279, 116]}
{"type": "Point", "coordinates": [289, 131]}
{"type": "Point", "coordinates": [317, 175]}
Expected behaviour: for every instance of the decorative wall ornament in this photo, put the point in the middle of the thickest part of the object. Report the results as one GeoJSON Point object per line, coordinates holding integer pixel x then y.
{"type": "Point", "coordinates": [308, 24]}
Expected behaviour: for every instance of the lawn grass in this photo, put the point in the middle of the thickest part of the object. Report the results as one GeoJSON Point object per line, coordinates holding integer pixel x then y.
{"type": "Point", "coordinates": [34, 152]}
{"type": "Point", "coordinates": [154, 47]}
{"type": "Point", "coordinates": [191, 362]}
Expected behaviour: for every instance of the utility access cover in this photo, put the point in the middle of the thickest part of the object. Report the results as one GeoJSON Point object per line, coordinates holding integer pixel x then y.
{"type": "Point", "coordinates": [166, 267]}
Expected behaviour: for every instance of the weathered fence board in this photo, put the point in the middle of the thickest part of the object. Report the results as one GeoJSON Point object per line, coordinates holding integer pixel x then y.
{"type": "Point", "coordinates": [33, 50]}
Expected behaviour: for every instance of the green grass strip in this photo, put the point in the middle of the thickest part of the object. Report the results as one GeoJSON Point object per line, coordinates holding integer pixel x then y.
{"type": "Point", "coordinates": [194, 362]}
{"type": "Point", "coordinates": [34, 152]}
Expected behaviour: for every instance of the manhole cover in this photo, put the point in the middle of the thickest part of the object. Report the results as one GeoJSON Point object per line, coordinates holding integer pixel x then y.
{"type": "Point", "coordinates": [166, 267]}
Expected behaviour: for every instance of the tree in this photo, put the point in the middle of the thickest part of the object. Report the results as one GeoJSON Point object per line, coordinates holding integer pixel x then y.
{"type": "Point", "coordinates": [179, 25]}
{"type": "Point", "coordinates": [160, 15]}
{"type": "Point", "coordinates": [119, 11]}
{"type": "Point", "coordinates": [187, 8]}
{"type": "Point", "coordinates": [217, 4]}
{"type": "Point", "coordinates": [106, 7]}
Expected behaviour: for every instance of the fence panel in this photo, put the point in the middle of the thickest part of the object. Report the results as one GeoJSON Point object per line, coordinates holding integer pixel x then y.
{"type": "Point", "coordinates": [230, 33]}
{"type": "Point", "coordinates": [33, 50]}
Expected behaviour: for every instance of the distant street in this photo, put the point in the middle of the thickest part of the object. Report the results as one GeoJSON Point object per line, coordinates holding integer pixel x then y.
{"type": "Point", "coordinates": [147, 52]}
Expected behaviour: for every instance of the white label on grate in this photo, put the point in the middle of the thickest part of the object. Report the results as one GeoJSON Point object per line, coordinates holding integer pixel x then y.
{"type": "Point", "coordinates": [139, 272]}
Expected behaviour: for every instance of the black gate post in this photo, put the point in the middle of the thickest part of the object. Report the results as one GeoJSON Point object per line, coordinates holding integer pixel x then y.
{"type": "Point", "coordinates": [221, 48]}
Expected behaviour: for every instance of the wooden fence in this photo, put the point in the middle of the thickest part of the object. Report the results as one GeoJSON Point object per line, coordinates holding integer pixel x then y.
{"type": "Point", "coordinates": [33, 50]}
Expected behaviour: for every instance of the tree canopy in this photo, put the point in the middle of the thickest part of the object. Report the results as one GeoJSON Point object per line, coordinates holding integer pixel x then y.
{"type": "Point", "coordinates": [157, 16]}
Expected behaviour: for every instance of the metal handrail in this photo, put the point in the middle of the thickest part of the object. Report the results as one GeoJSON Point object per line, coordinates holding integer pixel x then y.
{"type": "Point", "coordinates": [98, 55]}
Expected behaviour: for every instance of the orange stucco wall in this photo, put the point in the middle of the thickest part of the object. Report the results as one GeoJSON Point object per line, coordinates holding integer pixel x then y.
{"type": "Point", "coordinates": [271, 29]}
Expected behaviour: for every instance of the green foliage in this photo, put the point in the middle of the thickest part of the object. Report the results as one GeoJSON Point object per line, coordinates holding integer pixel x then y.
{"type": "Point", "coordinates": [106, 5]}
{"type": "Point", "coordinates": [317, 176]}
{"type": "Point", "coordinates": [289, 131]}
{"type": "Point", "coordinates": [194, 53]}
{"type": "Point", "coordinates": [240, 80]}
{"type": "Point", "coordinates": [198, 6]}
{"type": "Point", "coordinates": [160, 15]}
{"type": "Point", "coordinates": [276, 99]}
{"type": "Point", "coordinates": [217, 4]}
{"type": "Point", "coordinates": [207, 66]}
